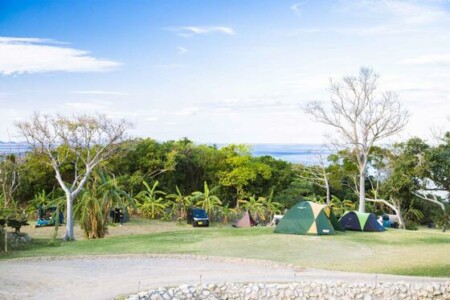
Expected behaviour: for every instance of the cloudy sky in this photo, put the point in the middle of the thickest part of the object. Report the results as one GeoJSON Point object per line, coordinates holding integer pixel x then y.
{"type": "Point", "coordinates": [219, 71]}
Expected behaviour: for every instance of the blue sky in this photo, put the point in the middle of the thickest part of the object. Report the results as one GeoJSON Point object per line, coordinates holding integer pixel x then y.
{"type": "Point", "coordinates": [219, 71]}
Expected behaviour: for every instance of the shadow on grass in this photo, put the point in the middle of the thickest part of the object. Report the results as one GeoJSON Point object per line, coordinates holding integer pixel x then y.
{"type": "Point", "coordinates": [429, 271]}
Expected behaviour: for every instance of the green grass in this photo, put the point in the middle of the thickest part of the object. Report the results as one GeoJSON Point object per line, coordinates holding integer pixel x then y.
{"type": "Point", "coordinates": [422, 252]}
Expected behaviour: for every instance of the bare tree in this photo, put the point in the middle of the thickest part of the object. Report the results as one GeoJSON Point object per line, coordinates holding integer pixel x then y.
{"type": "Point", "coordinates": [318, 175]}
{"type": "Point", "coordinates": [81, 142]}
{"type": "Point", "coordinates": [9, 178]}
{"type": "Point", "coordinates": [361, 116]}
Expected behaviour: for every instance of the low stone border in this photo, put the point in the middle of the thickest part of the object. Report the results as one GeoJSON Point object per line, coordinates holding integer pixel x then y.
{"type": "Point", "coordinates": [300, 290]}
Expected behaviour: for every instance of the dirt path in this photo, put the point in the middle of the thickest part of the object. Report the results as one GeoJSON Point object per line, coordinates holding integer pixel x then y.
{"type": "Point", "coordinates": [107, 277]}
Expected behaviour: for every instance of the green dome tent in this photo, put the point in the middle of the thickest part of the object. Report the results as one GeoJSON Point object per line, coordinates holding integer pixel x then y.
{"type": "Point", "coordinates": [308, 218]}
{"type": "Point", "coordinates": [353, 220]}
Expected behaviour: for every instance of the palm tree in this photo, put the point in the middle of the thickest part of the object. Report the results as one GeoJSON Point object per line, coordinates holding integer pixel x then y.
{"type": "Point", "coordinates": [149, 204]}
{"type": "Point", "coordinates": [179, 203]}
{"type": "Point", "coordinates": [255, 207]}
{"type": "Point", "coordinates": [271, 206]}
{"type": "Point", "coordinates": [112, 193]}
{"type": "Point", "coordinates": [90, 211]}
{"type": "Point", "coordinates": [206, 199]}
{"type": "Point", "coordinates": [226, 212]}
{"type": "Point", "coordinates": [94, 206]}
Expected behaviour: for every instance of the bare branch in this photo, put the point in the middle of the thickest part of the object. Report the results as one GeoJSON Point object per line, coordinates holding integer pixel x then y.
{"type": "Point", "coordinates": [80, 141]}
{"type": "Point", "coordinates": [433, 199]}
{"type": "Point", "coordinates": [360, 116]}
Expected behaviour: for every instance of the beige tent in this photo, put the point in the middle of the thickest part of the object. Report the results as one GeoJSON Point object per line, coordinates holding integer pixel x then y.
{"type": "Point", "coordinates": [245, 221]}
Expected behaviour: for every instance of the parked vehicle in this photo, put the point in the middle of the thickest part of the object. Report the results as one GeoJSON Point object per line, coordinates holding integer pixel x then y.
{"type": "Point", "coordinates": [197, 217]}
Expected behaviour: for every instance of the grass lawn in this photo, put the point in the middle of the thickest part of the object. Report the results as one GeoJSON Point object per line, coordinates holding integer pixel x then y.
{"type": "Point", "coordinates": [423, 253]}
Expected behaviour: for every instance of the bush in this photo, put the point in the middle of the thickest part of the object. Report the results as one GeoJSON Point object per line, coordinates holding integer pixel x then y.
{"type": "Point", "coordinates": [410, 225]}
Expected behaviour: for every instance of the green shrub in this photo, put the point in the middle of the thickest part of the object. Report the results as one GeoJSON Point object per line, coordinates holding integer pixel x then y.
{"type": "Point", "coordinates": [410, 225]}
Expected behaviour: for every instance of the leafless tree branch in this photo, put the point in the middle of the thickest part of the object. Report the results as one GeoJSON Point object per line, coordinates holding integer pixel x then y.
{"type": "Point", "coordinates": [360, 116]}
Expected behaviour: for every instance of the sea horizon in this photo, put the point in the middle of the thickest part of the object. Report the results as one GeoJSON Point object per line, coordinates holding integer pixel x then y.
{"type": "Point", "coordinates": [307, 154]}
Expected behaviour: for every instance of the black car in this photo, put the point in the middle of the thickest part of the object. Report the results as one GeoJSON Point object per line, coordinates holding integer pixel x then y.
{"type": "Point", "coordinates": [197, 217]}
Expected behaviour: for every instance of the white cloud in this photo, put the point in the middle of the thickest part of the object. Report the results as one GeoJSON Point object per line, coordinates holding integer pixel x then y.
{"type": "Point", "coordinates": [16, 40]}
{"type": "Point", "coordinates": [34, 55]}
{"type": "Point", "coordinates": [181, 50]}
{"type": "Point", "coordinates": [414, 13]}
{"type": "Point", "coordinates": [260, 104]}
{"type": "Point", "coordinates": [188, 31]}
{"type": "Point", "coordinates": [186, 111]}
{"type": "Point", "coordinates": [297, 7]}
{"type": "Point", "coordinates": [437, 59]}
{"type": "Point", "coordinates": [106, 93]}
{"type": "Point", "coordinates": [381, 30]}
{"type": "Point", "coordinates": [95, 105]}
{"type": "Point", "coordinates": [404, 11]}
{"type": "Point", "coordinates": [151, 119]}
{"type": "Point", "coordinates": [169, 66]}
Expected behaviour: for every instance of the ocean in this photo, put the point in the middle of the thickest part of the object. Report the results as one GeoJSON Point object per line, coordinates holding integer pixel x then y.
{"type": "Point", "coordinates": [13, 148]}
{"type": "Point", "coordinates": [307, 154]}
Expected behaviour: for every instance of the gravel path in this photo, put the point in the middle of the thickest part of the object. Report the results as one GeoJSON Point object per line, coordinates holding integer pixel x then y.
{"type": "Point", "coordinates": [106, 277]}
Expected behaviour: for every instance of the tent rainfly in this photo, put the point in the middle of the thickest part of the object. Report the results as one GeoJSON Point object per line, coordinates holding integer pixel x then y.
{"type": "Point", "coordinates": [353, 220]}
{"type": "Point", "coordinates": [245, 221]}
{"type": "Point", "coordinates": [308, 218]}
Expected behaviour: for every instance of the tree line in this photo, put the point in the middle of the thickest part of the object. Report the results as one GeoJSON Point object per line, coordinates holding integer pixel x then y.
{"type": "Point", "coordinates": [86, 166]}
{"type": "Point", "coordinates": [162, 179]}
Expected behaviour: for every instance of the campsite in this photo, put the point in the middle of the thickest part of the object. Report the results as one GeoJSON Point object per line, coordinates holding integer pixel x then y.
{"type": "Point", "coordinates": [185, 149]}
{"type": "Point", "coordinates": [391, 252]}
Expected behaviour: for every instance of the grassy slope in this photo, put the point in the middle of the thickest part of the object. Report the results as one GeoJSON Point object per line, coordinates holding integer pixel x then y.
{"type": "Point", "coordinates": [397, 252]}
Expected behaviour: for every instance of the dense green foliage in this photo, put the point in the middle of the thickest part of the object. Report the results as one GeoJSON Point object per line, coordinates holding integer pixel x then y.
{"type": "Point", "coordinates": [161, 180]}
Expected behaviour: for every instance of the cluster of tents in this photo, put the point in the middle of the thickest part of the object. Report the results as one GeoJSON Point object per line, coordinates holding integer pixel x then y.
{"type": "Point", "coordinates": [316, 219]}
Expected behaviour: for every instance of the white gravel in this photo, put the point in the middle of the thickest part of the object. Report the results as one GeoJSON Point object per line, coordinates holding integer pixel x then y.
{"type": "Point", "coordinates": [107, 277]}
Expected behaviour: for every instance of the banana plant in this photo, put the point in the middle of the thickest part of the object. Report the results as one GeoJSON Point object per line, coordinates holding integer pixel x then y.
{"type": "Point", "coordinates": [206, 199]}
{"type": "Point", "coordinates": [179, 203]}
{"type": "Point", "coordinates": [149, 201]}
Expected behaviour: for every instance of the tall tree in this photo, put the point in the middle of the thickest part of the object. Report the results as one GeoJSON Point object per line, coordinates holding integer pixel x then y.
{"type": "Point", "coordinates": [240, 169]}
{"type": "Point", "coordinates": [361, 116]}
{"type": "Point", "coordinates": [78, 143]}
{"type": "Point", "coordinates": [434, 176]}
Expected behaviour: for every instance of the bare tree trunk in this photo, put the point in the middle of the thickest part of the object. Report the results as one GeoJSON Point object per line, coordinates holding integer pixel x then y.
{"type": "Point", "coordinates": [238, 197]}
{"type": "Point", "coordinates": [401, 223]}
{"type": "Point", "coordinates": [362, 191]}
{"type": "Point", "coordinates": [327, 185]}
{"type": "Point", "coordinates": [6, 240]}
{"type": "Point", "coordinates": [69, 235]}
